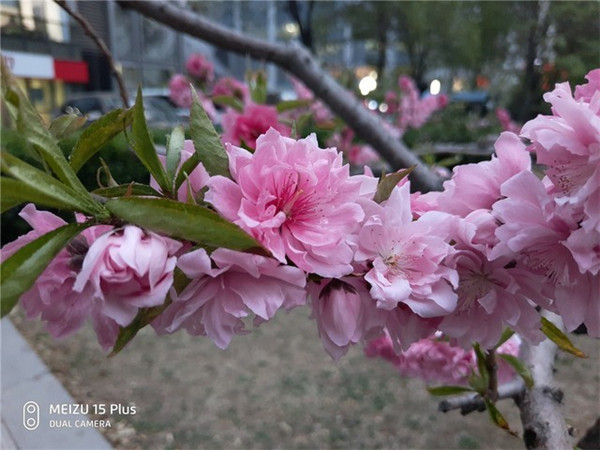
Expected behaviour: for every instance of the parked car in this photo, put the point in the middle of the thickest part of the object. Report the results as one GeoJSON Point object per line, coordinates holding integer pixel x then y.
{"type": "Point", "coordinates": [159, 111]}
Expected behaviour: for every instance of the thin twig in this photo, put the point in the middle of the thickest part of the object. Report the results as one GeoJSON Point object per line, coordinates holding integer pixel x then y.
{"type": "Point", "coordinates": [299, 62]}
{"type": "Point", "coordinates": [474, 402]}
{"type": "Point", "coordinates": [492, 367]}
{"type": "Point", "coordinates": [101, 45]}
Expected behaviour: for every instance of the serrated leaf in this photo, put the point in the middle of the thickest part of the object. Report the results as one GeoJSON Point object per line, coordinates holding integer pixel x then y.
{"type": "Point", "coordinates": [206, 140]}
{"type": "Point", "coordinates": [388, 182]}
{"type": "Point", "coordinates": [127, 189]}
{"type": "Point", "coordinates": [144, 147]}
{"type": "Point", "coordinates": [31, 125]}
{"type": "Point", "coordinates": [497, 417]}
{"type": "Point", "coordinates": [47, 188]}
{"type": "Point", "coordinates": [448, 390]}
{"type": "Point", "coordinates": [289, 105]}
{"type": "Point", "coordinates": [64, 126]}
{"type": "Point", "coordinates": [228, 100]}
{"type": "Point", "coordinates": [182, 220]}
{"type": "Point", "coordinates": [20, 270]}
{"type": "Point", "coordinates": [520, 368]}
{"type": "Point", "coordinates": [174, 147]}
{"type": "Point", "coordinates": [561, 340]}
{"type": "Point", "coordinates": [98, 134]}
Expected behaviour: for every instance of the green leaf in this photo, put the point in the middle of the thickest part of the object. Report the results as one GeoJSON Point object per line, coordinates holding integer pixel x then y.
{"type": "Point", "coordinates": [31, 125]}
{"type": "Point", "coordinates": [182, 220]}
{"type": "Point", "coordinates": [497, 417]}
{"type": "Point", "coordinates": [44, 189]}
{"type": "Point", "coordinates": [228, 100]}
{"type": "Point", "coordinates": [144, 147]}
{"type": "Point", "coordinates": [292, 104]}
{"type": "Point", "coordinates": [506, 335]}
{"type": "Point", "coordinates": [481, 365]}
{"type": "Point", "coordinates": [448, 390]}
{"type": "Point", "coordinates": [20, 271]}
{"type": "Point", "coordinates": [206, 140]}
{"type": "Point", "coordinates": [127, 189]}
{"type": "Point", "coordinates": [519, 367]}
{"type": "Point", "coordinates": [98, 134]}
{"type": "Point", "coordinates": [553, 333]}
{"type": "Point", "coordinates": [15, 192]}
{"type": "Point", "coordinates": [64, 126]}
{"type": "Point", "coordinates": [258, 87]}
{"type": "Point", "coordinates": [387, 183]}
{"type": "Point", "coordinates": [174, 147]}
{"type": "Point", "coordinates": [186, 169]}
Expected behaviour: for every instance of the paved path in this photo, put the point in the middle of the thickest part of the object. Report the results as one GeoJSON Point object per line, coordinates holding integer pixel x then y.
{"type": "Point", "coordinates": [24, 378]}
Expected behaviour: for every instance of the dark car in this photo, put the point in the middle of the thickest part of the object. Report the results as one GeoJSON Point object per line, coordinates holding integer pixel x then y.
{"type": "Point", "coordinates": [159, 112]}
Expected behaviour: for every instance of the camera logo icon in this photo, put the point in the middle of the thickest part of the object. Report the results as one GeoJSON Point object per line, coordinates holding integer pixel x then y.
{"type": "Point", "coordinates": [31, 415]}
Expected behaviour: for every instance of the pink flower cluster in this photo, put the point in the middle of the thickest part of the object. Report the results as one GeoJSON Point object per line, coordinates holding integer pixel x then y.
{"type": "Point", "coordinates": [470, 261]}
{"type": "Point", "coordinates": [411, 110]}
{"type": "Point", "coordinates": [436, 360]}
{"type": "Point", "coordinates": [200, 68]}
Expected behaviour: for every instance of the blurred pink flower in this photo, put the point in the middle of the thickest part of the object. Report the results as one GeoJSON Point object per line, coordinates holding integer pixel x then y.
{"type": "Point", "coordinates": [587, 91]}
{"type": "Point", "coordinates": [434, 359]}
{"type": "Point", "coordinates": [408, 257]}
{"type": "Point", "coordinates": [200, 68]}
{"type": "Point", "coordinates": [224, 287]}
{"type": "Point", "coordinates": [247, 126]}
{"type": "Point", "coordinates": [506, 122]}
{"type": "Point", "coordinates": [128, 269]}
{"type": "Point", "coordinates": [232, 88]}
{"type": "Point", "coordinates": [297, 199]}
{"type": "Point", "coordinates": [345, 313]}
{"type": "Point", "coordinates": [179, 91]}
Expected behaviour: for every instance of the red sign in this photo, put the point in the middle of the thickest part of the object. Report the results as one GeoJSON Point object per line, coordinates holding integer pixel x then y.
{"type": "Point", "coordinates": [71, 71]}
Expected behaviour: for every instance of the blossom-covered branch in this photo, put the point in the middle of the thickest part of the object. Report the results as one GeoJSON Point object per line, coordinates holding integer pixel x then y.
{"type": "Point", "coordinates": [300, 63]}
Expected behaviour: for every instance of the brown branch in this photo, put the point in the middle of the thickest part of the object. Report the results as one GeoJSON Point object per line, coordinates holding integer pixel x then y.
{"type": "Point", "coordinates": [101, 45]}
{"type": "Point", "coordinates": [299, 62]}
{"type": "Point", "coordinates": [492, 367]}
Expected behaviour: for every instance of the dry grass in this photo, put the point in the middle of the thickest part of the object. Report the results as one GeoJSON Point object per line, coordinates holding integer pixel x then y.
{"type": "Point", "coordinates": [276, 388]}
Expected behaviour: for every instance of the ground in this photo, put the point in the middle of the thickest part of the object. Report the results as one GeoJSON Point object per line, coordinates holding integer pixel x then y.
{"type": "Point", "coordinates": [277, 388]}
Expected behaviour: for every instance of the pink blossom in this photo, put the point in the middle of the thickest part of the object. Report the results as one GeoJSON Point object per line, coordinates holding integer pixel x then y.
{"type": "Point", "coordinates": [407, 257]}
{"type": "Point", "coordinates": [568, 142]}
{"type": "Point", "coordinates": [200, 68]}
{"type": "Point", "coordinates": [320, 112]}
{"type": "Point", "coordinates": [434, 359]}
{"type": "Point", "coordinates": [477, 186]}
{"type": "Point", "coordinates": [506, 122]}
{"type": "Point", "coordinates": [232, 88]}
{"type": "Point", "coordinates": [52, 296]}
{"type": "Point", "coordinates": [247, 126]}
{"type": "Point", "coordinates": [587, 91]}
{"type": "Point", "coordinates": [535, 231]}
{"type": "Point", "coordinates": [345, 313]}
{"type": "Point", "coordinates": [179, 91]}
{"type": "Point", "coordinates": [128, 269]}
{"type": "Point", "coordinates": [492, 295]}
{"type": "Point", "coordinates": [224, 287]}
{"type": "Point", "coordinates": [195, 181]}
{"type": "Point", "coordinates": [297, 199]}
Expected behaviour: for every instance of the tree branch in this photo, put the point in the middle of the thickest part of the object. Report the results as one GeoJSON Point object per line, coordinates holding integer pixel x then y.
{"type": "Point", "coordinates": [101, 45]}
{"type": "Point", "coordinates": [299, 62]}
{"type": "Point", "coordinates": [474, 402]}
{"type": "Point", "coordinates": [544, 426]}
